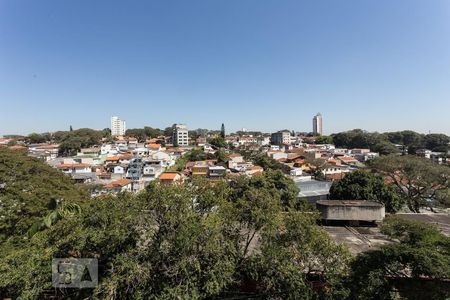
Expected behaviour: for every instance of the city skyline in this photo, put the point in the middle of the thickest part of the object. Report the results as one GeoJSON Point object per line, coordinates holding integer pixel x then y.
{"type": "Point", "coordinates": [124, 127]}
{"type": "Point", "coordinates": [259, 65]}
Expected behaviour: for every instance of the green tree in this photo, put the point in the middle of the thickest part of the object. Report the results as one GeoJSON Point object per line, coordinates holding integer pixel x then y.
{"type": "Point", "coordinates": [151, 132]}
{"type": "Point", "coordinates": [73, 141]}
{"type": "Point", "coordinates": [316, 166]}
{"type": "Point", "coordinates": [268, 163]}
{"type": "Point", "coordinates": [36, 138]}
{"type": "Point", "coordinates": [138, 133]}
{"type": "Point", "coordinates": [194, 241]}
{"type": "Point", "coordinates": [358, 138]}
{"type": "Point", "coordinates": [415, 267]}
{"type": "Point", "coordinates": [411, 140]}
{"type": "Point", "coordinates": [168, 131]}
{"type": "Point", "coordinates": [324, 139]}
{"type": "Point", "coordinates": [362, 185]}
{"type": "Point", "coordinates": [29, 191]}
{"type": "Point", "coordinates": [222, 131]}
{"type": "Point", "coordinates": [218, 142]}
{"type": "Point", "coordinates": [385, 148]}
{"type": "Point", "coordinates": [418, 181]}
{"type": "Point", "coordinates": [437, 142]}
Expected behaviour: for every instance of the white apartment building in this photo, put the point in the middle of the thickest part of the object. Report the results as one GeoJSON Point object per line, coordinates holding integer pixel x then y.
{"type": "Point", "coordinates": [317, 124]}
{"type": "Point", "coordinates": [180, 135]}
{"type": "Point", "coordinates": [118, 126]}
{"type": "Point", "coordinates": [282, 137]}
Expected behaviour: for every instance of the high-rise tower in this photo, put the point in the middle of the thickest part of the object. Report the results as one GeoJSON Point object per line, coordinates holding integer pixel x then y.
{"type": "Point", "coordinates": [317, 124]}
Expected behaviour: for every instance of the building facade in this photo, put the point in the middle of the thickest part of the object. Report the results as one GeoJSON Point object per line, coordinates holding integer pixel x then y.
{"type": "Point", "coordinates": [118, 126]}
{"type": "Point", "coordinates": [282, 137]}
{"type": "Point", "coordinates": [180, 135]}
{"type": "Point", "coordinates": [317, 124]}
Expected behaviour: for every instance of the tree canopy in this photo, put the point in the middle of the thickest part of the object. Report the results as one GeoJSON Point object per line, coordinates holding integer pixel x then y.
{"type": "Point", "coordinates": [218, 142]}
{"type": "Point", "coordinates": [144, 133]}
{"type": "Point", "coordinates": [194, 241]}
{"type": "Point", "coordinates": [72, 141]}
{"type": "Point", "coordinates": [29, 190]}
{"type": "Point", "coordinates": [268, 163]}
{"type": "Point", "coordinates": [324, 139]}
{"type": "Point", "coordinates": [362, 185]}
{"type": "Point", "coordinates": [418, 181]}
{"type": "Point", "coordinates": [384, 142]}
{"type": "Point", "coordinates": [246, 237]}
{"type": "Point", "coordinates": [415, 267]}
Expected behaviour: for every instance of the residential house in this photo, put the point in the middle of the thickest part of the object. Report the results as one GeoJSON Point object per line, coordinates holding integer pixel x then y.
{"type": "Point", "coordinates": [348, 160]}
{"type": "Point", "coordinates": [44, 151]}
{"type": "Point", "coordinates": [334, 172]}
{"type": "Point", "coordinates": [254, 170]}
{"type": "Point", "coordinates": [424, 153]}
{"type": "Point", "coordinates": [120, 185]}
{"type": "Point", "coordinates": [216, 171]}
{"type": "Point", "coordinates": [154, 147]}
{"type": "Point", "coordinates": [170, 178]}
{"type": "Point", "coordinates": [72, 168]}
{"type": "Point", "coordinates": [200, 169]}
{"type": "Point", "coordinates": [93, 152]}
{"type": "Point", "coordinates": [134, 171]}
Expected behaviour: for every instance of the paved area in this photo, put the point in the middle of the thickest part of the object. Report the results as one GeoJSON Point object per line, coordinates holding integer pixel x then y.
{"type": "Point", "coordinates": [358, 239]}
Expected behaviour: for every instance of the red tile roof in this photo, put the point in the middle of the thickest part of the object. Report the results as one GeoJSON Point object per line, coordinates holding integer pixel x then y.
{"type": "Point", "coordinates": [113, 158]}
{"type": "Point", "coordinates": [73, 165]}
{"type": "Point", "coordinates": [157, 146]}
{"type": "Point", "coordinates": [118, 183]}
{"type": "Point", "coordinates": [168, 176]}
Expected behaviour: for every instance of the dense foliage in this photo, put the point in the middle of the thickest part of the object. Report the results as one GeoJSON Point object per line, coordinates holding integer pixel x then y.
{"type": "Point", "coordinates": [362, 185]}
{"type": "Point", "coordinates": [418, 181]}
{"type": "Point", "coordinates": [268, 163]}
{"type": "Point", "coordinates": [324, 139]}
{"type": "Point", "coordinates": [218, 142]}
{"type": "Point", "coordinates": [243, 238]}
{"type": "Point", "coordinates": [384, 142]}
{"type": "Point", "coordinates": [415, 267]}
{"type": "Point", "coordinates": [144, 133]}
{"type": "Point", "coordinates": [188, 241]}
{"type": "Point", "coordinates": [29, 190]}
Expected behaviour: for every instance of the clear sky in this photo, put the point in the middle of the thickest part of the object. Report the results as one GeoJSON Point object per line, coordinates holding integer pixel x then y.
{"type": "Point", "coordinates": [260, 64]}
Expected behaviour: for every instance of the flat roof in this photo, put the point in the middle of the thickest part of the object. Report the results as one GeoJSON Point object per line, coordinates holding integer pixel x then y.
{"type": "Point", "coordinates": [357, 239]}
{"type": "Point", "coordinates": [441, 220]}
{"type": "Point", "coordinates": [349, 203]}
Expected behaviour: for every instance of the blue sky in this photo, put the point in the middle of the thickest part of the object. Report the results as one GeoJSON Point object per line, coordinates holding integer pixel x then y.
{"type": "Point", "coordinates": [265, 65]}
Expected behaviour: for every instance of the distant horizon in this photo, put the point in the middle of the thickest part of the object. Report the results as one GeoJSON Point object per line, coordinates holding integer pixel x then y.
{"type": "Point", "coordinates": [263, 65]}
{"type": "Point", "coordinates": [228, 131]}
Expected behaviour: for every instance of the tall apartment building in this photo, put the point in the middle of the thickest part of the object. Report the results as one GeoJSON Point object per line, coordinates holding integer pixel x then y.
{"type": "Point", "coordinates": [282, 137]}
{"type": "Point", "coordinates": [180, 135]}
{"type": "Point", "coordinates": [118, 126]}
{"type": "Point", "coordinates": [317, 124]}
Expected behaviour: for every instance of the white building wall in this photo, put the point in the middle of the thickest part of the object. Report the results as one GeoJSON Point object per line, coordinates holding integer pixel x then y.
{"type": "Point", "coordinates": [118, 126]}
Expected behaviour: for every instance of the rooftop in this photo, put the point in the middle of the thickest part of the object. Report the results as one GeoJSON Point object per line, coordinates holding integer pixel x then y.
{"type": "Point", "coordinates": [349, 203]}
{"type": "Point", "coordinates": [441, 220]}
{"type": "Point", "coordinates": [118, 183]}
{"type": "Point", "coordinates": [168, 176]}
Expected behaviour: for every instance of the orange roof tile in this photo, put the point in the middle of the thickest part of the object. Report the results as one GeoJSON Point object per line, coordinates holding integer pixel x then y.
{"type": "Point", "coordinates": [346, 158]}
{"type": "Point", "coordinates": [118, 183]}
{"type": "Point", "coordinates": [73, 165]}
{"type": "Point", "coordinates": [168, 176]}
{"type": "Point", "coordinates": [154, 146]}
{"type": "Point", "coordinates": [113, 158]}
